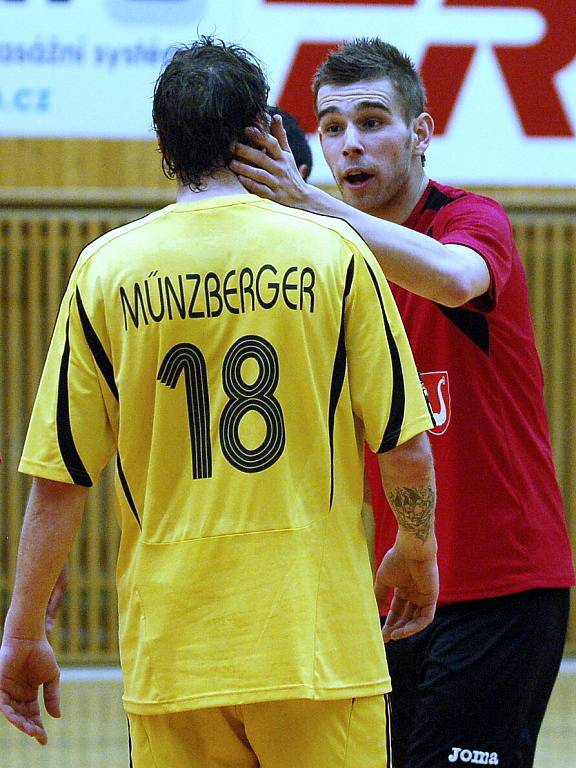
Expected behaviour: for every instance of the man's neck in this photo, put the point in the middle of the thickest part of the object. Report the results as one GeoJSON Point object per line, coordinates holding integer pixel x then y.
{"type": "Point", "coordinates": [220, 183]}
{"type": "Point", "coordinates": [401, 206]}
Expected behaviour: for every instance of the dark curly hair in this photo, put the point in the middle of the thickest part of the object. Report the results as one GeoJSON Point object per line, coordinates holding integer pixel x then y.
{"type": "Point", "coordinates": [206, 96]}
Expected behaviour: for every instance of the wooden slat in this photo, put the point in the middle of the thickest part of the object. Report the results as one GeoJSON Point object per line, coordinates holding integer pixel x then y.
{"type": "Point", "coordinates": [13, 378]}
{"type": "Point", "coordinates": [5, 549]}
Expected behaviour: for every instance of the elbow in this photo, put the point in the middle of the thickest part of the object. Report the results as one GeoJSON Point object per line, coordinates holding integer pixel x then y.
{"type": "Point", "coordinates": [463, 278]}
{"type": "Point", "coordinates": [410, 460]}
{"type": "Point", "coordinates": [457, 290]}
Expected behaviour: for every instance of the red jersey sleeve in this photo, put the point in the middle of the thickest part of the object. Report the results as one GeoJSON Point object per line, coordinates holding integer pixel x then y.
{"type": "Point", "coordinates": [481, 224]}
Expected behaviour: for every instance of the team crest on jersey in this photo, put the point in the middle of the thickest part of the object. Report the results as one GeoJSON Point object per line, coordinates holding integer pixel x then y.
{"type": "Point", "coordinates": [437, 387]}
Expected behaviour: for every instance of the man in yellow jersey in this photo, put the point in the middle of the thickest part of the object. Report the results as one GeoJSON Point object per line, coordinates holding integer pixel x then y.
{"type": "Point", "coordinates": [219, 349]}
{"type": "Point", "coordinates": [300, 148]}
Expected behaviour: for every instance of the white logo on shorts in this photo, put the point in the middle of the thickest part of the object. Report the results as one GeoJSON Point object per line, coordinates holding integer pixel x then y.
{"type": "Point", "coordinates": [474, 756]}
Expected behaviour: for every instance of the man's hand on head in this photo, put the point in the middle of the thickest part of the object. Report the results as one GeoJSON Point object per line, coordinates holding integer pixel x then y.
{"type": "Point", "coordinates": [267, 167]}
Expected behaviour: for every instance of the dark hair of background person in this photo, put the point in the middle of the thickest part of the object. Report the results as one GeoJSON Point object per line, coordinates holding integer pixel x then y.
{"type": "Point", "coordinates": [205, 98]}
{"type": "Point", "coordinates": [297, 141]}
{"type": "Point", "coordinates": [371, 59]}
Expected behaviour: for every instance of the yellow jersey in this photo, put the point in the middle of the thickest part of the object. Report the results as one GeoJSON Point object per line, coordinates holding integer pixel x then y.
{"type": "Point", "coordinates": [233, 354]}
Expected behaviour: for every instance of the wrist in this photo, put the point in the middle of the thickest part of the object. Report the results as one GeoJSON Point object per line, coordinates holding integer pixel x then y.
{"type": "Point", "coordinates": [414, 548]}
{"type": "Point", "coordinates": [21, 625]}
{"type": "Point", "coordinates": [317, 201]}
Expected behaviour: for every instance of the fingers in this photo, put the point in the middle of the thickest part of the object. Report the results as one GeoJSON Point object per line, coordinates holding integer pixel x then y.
{"type": "Point", "coordinates": [278, 131]}
{"type": "Point", "coordinates": [254, 175]}
{"type": "Point", "coordinates": [390, 624]}
{"type": "Point", "coordinates": [31, 726]}
{"type": "Point", "coordinates": [268, 142]}
{"type": "Point", "coordinates": [52, 697]}
{"type": "Point", "coordinates": [256, 189]}
{"type": "Point", "coordinates": [257, 173]}
{"type": "Point", "coordinates": [255, 158]}
{"type": "Point", "coordinates": [419, 622]}
{"type": "Point", "coordinates": [400, 613]}
{"type": "Point", "coordinates": [254, 180]}
{"type": "Point", "coordinates": [410, 620]}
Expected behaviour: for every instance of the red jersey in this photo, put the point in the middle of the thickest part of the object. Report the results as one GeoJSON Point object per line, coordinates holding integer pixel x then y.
{"type": "Point", "coordinates": [499, 520]}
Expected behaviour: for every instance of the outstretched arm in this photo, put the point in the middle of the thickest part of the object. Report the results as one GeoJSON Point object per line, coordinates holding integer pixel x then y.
{"type": "Point", "coordinates": [410, 567]}
{"type": "Point", "coordinates": [448, 274]}
{"type": "Point", "coordinates": [27, 661]}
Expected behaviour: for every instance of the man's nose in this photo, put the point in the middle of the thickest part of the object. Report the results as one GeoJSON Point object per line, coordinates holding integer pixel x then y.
{"type": "Point", "coordinates": [352, 143]}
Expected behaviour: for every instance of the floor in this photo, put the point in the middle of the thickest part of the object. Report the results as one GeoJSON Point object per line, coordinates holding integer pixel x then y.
{"type": "Point", "coordinates": [92, 732]}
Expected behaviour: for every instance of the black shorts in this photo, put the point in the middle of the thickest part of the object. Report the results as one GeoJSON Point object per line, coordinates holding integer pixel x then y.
{"type": "Point", "coordinates": [472, 688]}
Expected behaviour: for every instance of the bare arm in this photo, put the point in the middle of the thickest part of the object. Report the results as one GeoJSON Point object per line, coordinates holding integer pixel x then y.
{"type": "Point", "coordinates": [449, 274]}
{"type": "Point", "coordinates": [53, 516]}
{"type": "Point", "coordinates": [410, 567]}
{"type": "Point", "coordinates": [56, 598]}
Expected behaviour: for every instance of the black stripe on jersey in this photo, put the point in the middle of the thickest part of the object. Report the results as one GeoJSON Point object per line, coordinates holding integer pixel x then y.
{"type": "Point", "coordinates": [473, 324]}
{"type": "Point", "coordinates": [398, 403]}
{"type": "Point", "coordinates": [98, 351]}
{"type": "Point", "coordinates": [129, 744]}
{"type": "Point", "coordinates": [68, 451]}
{"type": "Point", "coordinates": [437, 200]}
{"type": "Point", "coordinates": [389, 754]}
{"type": "Point", "coordinates": [126, 489]}
{"type": "Point", "coordinates": [338, 373]}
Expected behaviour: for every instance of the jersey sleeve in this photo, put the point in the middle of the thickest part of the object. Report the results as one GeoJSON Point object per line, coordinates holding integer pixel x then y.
{"type": "Point", "coordinates": [387, 393]}
{"type": "Point", "coordinates": [70, 436]}
{"type": "Point", "coordinates": [481, 224]}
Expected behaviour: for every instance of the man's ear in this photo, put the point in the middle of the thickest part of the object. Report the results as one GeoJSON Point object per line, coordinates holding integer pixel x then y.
{"type": "Point", "coordinates": [422, 130]}
{"type": "Point", "coordinates": [304, 171]}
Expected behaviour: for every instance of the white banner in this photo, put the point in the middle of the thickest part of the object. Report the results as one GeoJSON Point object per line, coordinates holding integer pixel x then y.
{"type": "Point", "coordinates": [501, 79]}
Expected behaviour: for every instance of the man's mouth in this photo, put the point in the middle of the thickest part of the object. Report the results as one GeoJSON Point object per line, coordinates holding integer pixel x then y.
{"type": "Point", "coordinates": [357, 178]}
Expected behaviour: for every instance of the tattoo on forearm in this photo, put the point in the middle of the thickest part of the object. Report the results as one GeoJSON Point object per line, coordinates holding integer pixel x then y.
{"type": "Point", "coordinates": [414, 509]}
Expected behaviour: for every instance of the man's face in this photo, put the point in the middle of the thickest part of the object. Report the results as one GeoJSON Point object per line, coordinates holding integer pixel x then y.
{"type": "Point", "coordinates": [366, 143]}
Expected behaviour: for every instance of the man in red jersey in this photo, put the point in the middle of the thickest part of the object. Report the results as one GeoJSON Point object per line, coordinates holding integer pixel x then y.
{"type": "Point", "coordinates": [474, 686]}
{"type": "Point", "coordinates": [266, 462]}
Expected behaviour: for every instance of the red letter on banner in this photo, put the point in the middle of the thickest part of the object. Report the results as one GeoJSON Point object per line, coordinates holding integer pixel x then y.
{"type": "Point", "coordinates": [529, 70]}
{"type": "Point", "coordinates": [443, 70]}
{"type": "Point", "coordinates": [296, 96]}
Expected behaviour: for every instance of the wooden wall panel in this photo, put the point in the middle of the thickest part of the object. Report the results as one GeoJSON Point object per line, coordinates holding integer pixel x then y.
{"type": "Point", "coordinates": [65, 163]}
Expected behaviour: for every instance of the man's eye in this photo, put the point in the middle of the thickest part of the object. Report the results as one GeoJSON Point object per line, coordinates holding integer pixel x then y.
{"type": "Point", "coordinates": [331, 128]}
{"type": "Point", "coordinates": [372, 123]}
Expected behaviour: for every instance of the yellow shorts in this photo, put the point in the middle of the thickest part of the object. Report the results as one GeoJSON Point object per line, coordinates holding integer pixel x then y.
{"type": "Point", "coordinates": [349, 733]}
